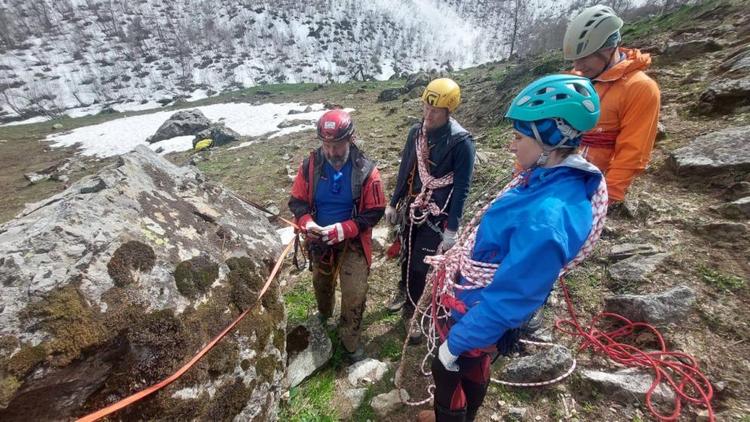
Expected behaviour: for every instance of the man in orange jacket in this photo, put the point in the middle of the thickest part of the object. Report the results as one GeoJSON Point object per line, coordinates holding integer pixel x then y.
{"type": "Point", "coordinates": [620, 145]}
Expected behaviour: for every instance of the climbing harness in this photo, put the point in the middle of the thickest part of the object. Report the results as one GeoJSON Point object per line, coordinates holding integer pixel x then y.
{"type": "Point", "coordinates": [679, 370]}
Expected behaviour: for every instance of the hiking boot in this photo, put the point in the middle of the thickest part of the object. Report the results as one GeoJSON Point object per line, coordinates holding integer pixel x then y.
{"type": "Point", "coordinates": [355, 356]}
{"type": "Point", "coordinates": [397, 301]}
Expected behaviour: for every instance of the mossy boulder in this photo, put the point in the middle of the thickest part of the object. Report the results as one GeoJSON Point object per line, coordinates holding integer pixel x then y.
{"type": "Point", "coordinates": [115, 283]}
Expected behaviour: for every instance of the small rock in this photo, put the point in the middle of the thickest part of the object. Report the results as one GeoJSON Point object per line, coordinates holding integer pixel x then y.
{"type": "Point", "coordinates": [663, 308]}
{"type": "Point", "coordinates": [57, 126]}
{"type": "Point", "coordinates": [661, 131]}
{"type": "Point", "coordinates": [36, 177]}
{"type": "Point", "coordinates": [720, 152]}
{"type": "Point", "coordinates": [355, 396]}
{"type": "Point", "coordinates": [724, 231]}
{"type": "Point", "coordinates": [725, 95]}
{"type": "Point", "coordinates": [737, 210]}
{"type": "Point", "coordinates": [702, 416]}
{"type": "Point", "coordinates": [159, 150]}
{"type": "Point", "coordinates": [415, 92]}
{"type": "Point", "coordinates": [415, 80]}
{"type": "Point", "coordinates": [389, 94]}
{"type": "Point", "coordinates": [736, 191]}
{"type": "Point", "coordinates": [517, 413]}
{"type": "Point", "coordinates": [411, 120]}
{"type": "Point", "coordinates": [366, 371]}
{"type": "Point", "coordinates": [538, 418]}
{"type": "Point", "coordinates": [542, 366]}
{"type": "Point", "coordinates": [385, 403]}
{"type": "Point", "coordinates": [623, 385]}
{"type": "Point", "coordinates": [626, 250]}
{"type": "Point", "coordinates": [495, 417]}
{"type": "Point", "coordinates": [309, 348]}
{"type": "Point", "coordinates": [287, 123]}
{"type": "Point", "coordinates": [636, 268]}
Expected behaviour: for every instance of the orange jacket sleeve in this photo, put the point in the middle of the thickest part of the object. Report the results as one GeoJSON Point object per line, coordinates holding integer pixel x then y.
{"type": "Point", "coordinates": [638, 123]}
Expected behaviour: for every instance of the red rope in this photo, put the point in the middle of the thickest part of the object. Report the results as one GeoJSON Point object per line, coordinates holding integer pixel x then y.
{"type": "Point", "coordinates": [678, 370]}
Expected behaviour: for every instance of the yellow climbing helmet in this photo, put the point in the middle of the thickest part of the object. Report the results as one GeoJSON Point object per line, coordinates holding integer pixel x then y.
{"type": "Point", "coordinates": [443, 93]}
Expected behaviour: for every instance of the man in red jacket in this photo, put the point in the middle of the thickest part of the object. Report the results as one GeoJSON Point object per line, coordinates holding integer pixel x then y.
{"type": "Point", "coordinates": [337, 198]}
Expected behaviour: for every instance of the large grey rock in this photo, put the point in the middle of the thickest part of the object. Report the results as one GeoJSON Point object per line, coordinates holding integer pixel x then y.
{"type": "Point", "coordinates": [636, 268]}
{"type": "Point", "coordinates": [389, 94]}
{"type": "Point", "coordinates": [715, 153]}
{"type": "Point", "coordinates": [219, 133]}
{"type": "Point", "coordinates": [182, 123]}
{"type": "Point", "coordinates": [736, 191]}
{"type": "Point", "coordinates": [737, 210]}
{"type": "Point", "coordinates": [687, 50]}
{"type": "Point", "coordinates": [415, 92]}
{"type": "Point", "coordinates": [418, 79]}
{"type": "Point", "coordinates": [626, 384]}
{"type": "Point", "coordinates": [386, 403]}
{"type": "Point", "coordinates": [662, 308]}
{"type": "Point", "coordinates": [112, 284]}
{"type": "Point", "coordinates": [543, 366]}
{"type": "Point", "coordinates": [309, 348]}
{"type": "Point", "coordinates": [725, 95]}
{"type": "Point", "coordinates": [367, 371]}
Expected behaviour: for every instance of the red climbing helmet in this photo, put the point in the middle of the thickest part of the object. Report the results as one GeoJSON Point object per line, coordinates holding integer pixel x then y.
{"type": "Point", "coordinates": [335, 125]}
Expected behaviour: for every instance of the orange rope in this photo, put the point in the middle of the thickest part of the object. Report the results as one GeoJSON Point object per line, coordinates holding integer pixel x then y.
{"type": "Point", "coordinates": [127, 401]}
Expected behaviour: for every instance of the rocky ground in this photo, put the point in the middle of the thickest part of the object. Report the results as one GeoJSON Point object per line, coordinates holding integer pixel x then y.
{"type": "Point", "coordinates": [681, 239]}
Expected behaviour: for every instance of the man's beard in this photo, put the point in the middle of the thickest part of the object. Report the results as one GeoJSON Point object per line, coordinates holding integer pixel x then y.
{"type": "Point", "coordinates": [337, 162]}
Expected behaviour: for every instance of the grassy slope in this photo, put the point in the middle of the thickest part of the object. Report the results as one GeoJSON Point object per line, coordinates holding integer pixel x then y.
{"type": "Point", "coordinates": [716, 332]}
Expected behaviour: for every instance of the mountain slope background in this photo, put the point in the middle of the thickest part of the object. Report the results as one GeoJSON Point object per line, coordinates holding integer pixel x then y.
{"type": "Point", "coordinates": [669, 211]}
{"type": "Point", "coordinates": [85, 54]}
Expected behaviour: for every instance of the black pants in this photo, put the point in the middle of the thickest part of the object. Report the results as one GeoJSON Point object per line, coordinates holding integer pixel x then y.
{"type": "Point", "coordinates": [424, 241]}
{"type": "Point", "coordinates": [458, 395]}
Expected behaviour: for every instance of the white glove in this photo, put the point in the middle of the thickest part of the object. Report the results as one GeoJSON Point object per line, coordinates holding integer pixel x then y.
{"type": "Point", "coordinates": [447, 358]}
{"type": "Point", "coordinates": [391, 216]}
{"type": "Point", "coordinates": [449, 239]}
{"type": "Point", "coordinates": [338, 232]}
{"type": "Point", "coordinates": [313, 230]}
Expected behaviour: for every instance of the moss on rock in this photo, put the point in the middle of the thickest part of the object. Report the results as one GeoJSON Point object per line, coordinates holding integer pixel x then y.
{"type": "Point", "coordinates": [129, 257]}
{"type": "Point", "coordinates": [73, 324]}
{"type": "Point", "coordinates": [195, 276]}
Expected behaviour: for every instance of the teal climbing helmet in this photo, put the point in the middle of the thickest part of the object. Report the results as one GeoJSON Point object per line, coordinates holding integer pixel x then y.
{"type": "Point", "coordinates": [567, 97]}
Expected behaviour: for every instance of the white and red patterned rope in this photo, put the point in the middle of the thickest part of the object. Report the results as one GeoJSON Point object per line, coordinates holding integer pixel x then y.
{"type": "Point", "coordinates": [423, 206]}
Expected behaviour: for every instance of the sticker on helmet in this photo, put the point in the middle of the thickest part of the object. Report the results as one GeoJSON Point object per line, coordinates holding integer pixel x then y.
{"type": "Point", "coordinates": [329, 125]}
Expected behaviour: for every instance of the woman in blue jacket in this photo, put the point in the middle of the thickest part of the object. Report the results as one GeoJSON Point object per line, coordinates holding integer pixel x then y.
{"type": "Point", "coordinates": [523, 240]}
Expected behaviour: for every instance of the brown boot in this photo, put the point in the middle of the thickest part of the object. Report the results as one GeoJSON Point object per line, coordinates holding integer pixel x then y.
{"type": "Point", "coordinates": [426, 416]}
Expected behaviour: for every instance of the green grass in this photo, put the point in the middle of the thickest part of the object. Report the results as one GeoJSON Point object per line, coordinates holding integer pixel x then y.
{"type": "Point", "coordinates": [300, 302]}
{"type": "Point", "coordinates": [312, 400]}
{"type": "Point", "coordinates": [685, 16]}
{"type": "Point", "coordinates": [720, 281]}
{"type": "Point", "coordinates": [391, 349]}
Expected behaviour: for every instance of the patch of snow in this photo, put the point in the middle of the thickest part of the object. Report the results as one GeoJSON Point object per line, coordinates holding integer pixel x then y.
{"type": "Point", "coordinates": [122, 135]}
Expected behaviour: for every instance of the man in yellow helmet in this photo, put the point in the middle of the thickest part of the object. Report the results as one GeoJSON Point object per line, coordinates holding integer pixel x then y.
{"type": "Point", "coordinates": [620, 145]}
{"type": "Point", "coordinates": [433, 183]}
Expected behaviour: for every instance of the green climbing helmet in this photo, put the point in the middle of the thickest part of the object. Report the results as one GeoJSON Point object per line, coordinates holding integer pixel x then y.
{"type": "Point", "coordinates": [570, 98]}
